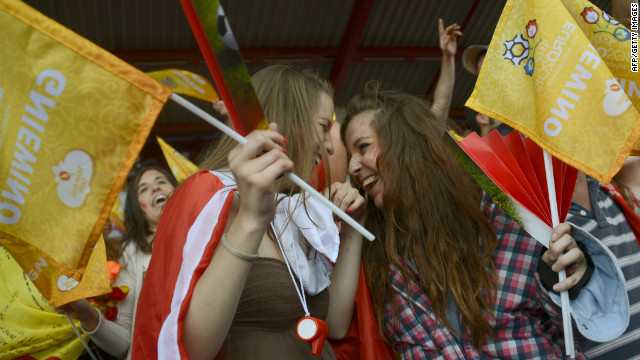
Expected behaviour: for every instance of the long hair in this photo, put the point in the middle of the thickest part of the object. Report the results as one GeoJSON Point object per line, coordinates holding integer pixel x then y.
{"type": "Point", "coordinates": [136, 226]}
{"type": "Point", "coordinates": [289, 96]}
{"type": "Point", "coordinates": [431, 226]}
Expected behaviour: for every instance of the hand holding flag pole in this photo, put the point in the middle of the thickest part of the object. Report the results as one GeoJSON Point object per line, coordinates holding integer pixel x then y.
{"type": "Point", "coordinates": [293, 177]}
{"type": "Point", "coordinates": [570, 348]}
{"type": "Point", "coordinates": [514, 171]}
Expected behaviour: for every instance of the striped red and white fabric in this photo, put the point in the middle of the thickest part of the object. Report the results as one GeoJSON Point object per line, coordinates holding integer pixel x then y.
{"type": "Point", "coordinates": [190, 228]}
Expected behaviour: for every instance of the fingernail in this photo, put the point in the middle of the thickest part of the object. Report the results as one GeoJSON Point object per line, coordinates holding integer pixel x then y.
{"type": "Point", "coordinates": [284, 150]}
{"type": "Point", "coordinates": [348, 211]}
{"type": "Point", "coordinates": [554, 267]}
{"type": "Point", "coordinates": [556, 287]}
{"type": "Point", "coordinates": [284, 139]}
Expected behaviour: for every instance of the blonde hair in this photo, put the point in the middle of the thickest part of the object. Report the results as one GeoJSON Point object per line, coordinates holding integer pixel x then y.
{"type": "Point", "coordinates": [289, 97]}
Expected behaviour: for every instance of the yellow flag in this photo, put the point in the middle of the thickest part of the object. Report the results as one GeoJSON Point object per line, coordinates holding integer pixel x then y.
{"type": "Point", "coordinates": [117, 216]}
{"type": "Point", "coordinates": [181, 168]}
{"type": "Point", "coordinates": [73, 118]}
{"type": "Point", "coordinates": [544, 77]}
{"type": "Point", "coordinates": [187, 83]}
{"type": "Point", "coordinates": [611, 40]}
{"type": "Point", "coordinates": [29, 324]}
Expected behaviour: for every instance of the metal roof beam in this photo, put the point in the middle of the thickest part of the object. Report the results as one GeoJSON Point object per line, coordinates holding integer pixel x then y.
{"type": "Point", "coordinates": [192, 57]}
{"type": "Point", "coordinates": [349, 44]}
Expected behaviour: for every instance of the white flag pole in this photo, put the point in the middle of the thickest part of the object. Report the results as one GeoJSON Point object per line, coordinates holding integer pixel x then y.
{"type": "Point", "coordinates": [570, 348]}
{"type": "Point", "coordinates": [293, 177]}
{"type": "Point", "coordinates": [86, 346]}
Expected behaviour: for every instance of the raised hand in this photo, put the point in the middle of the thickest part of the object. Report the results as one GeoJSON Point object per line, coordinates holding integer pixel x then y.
{"type": "Point", "coordinates": [220, 107]}
{"type": "Point", "coordinates": [449, 38]}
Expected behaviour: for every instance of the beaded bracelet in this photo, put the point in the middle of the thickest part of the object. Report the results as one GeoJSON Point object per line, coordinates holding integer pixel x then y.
{"type": "Point", "coordinates": [236, 252]}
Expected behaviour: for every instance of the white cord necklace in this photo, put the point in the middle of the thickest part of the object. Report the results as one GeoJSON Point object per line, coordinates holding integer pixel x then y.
{"type": "Point", "coordinates": [309, 329]}
{"type": "Point", "coordinates": [300, 291]}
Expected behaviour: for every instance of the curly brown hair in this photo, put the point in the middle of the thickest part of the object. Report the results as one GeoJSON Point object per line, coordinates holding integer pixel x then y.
{"type": "Point", "coordinates": [430, 226]}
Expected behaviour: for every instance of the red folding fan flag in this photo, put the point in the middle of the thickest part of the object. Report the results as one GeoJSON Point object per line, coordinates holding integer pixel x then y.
{"type": "Point", "coordinates": [516, 167]}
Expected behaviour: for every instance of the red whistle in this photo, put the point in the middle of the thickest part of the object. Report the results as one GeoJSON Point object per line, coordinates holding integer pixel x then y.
{"type": "Point", "coordinates": [314, 331]}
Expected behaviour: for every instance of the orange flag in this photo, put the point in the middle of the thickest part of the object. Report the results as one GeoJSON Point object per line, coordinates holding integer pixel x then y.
{"type": "Point", "coordinates": [74, 118]}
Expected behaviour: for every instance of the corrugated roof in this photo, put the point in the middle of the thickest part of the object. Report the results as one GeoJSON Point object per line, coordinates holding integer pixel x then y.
{"type": "Point", "coordinates": [399, 42]}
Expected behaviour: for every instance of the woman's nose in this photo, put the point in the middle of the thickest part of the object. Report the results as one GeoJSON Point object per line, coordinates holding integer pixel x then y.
{"type": "Point", "coordinates": [328, 145]}
{"type": "Point", "coordinates": [354, 165]}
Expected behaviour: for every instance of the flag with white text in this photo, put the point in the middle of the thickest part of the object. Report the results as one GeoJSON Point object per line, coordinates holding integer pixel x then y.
{"type": "Point", "coordinates": [73, 119]}
{"type": "Point", "coordinates": [544, 75]}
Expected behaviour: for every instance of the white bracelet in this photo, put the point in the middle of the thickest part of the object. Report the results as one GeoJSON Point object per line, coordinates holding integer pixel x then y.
{"type": "Point", "coordinates": [236, 252]}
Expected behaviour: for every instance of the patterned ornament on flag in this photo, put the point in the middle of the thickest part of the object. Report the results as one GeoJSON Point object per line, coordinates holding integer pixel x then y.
{"type": "Point", "coordinates": [612, 42]}
{"type": "Point", "coordinates": [543, 76]}
{"type": "Point", "coordinates": [181, 168]}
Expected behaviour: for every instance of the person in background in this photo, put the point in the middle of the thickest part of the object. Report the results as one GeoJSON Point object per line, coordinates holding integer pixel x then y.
{"type": "Point", "coordinates": [621, 11]}
{"type": "Point", "coordinates": [444, 88]}
{"type": "Point", "coordinates": [483, 125]}
{"type": "Point", "coordinates": [218, 105]}
{"type": "Point", "coordinates": [147, 193]}
{"type": "Point", "coordinates": [452, 279]}
{"type": "Point", "coordinates": [627, 180]}
{"type": "Point", "coordinates": [599, 209]}
{"type": "Point", "coordinates": [472, 60]}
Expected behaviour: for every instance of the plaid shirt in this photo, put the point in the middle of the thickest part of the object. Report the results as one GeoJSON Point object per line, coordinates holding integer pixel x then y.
{"type": "Point", "coordinates": [527, 324]}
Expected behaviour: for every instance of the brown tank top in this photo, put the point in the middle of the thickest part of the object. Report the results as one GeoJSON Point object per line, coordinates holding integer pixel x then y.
{"type": "Point", "coordinates": [267, 314]}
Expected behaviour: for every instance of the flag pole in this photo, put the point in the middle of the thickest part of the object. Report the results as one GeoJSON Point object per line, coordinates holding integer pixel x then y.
{"type": "Point", "coordinates": [86, 346]}
{"type": "Point", "coordinates": [293, 177]}
{"type": "Point", "coordinates": [562, 275]}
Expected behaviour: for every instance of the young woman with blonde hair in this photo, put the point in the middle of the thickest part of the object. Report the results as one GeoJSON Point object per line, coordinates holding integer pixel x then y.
{"type": "Point", "coordinates": [244, 298]}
